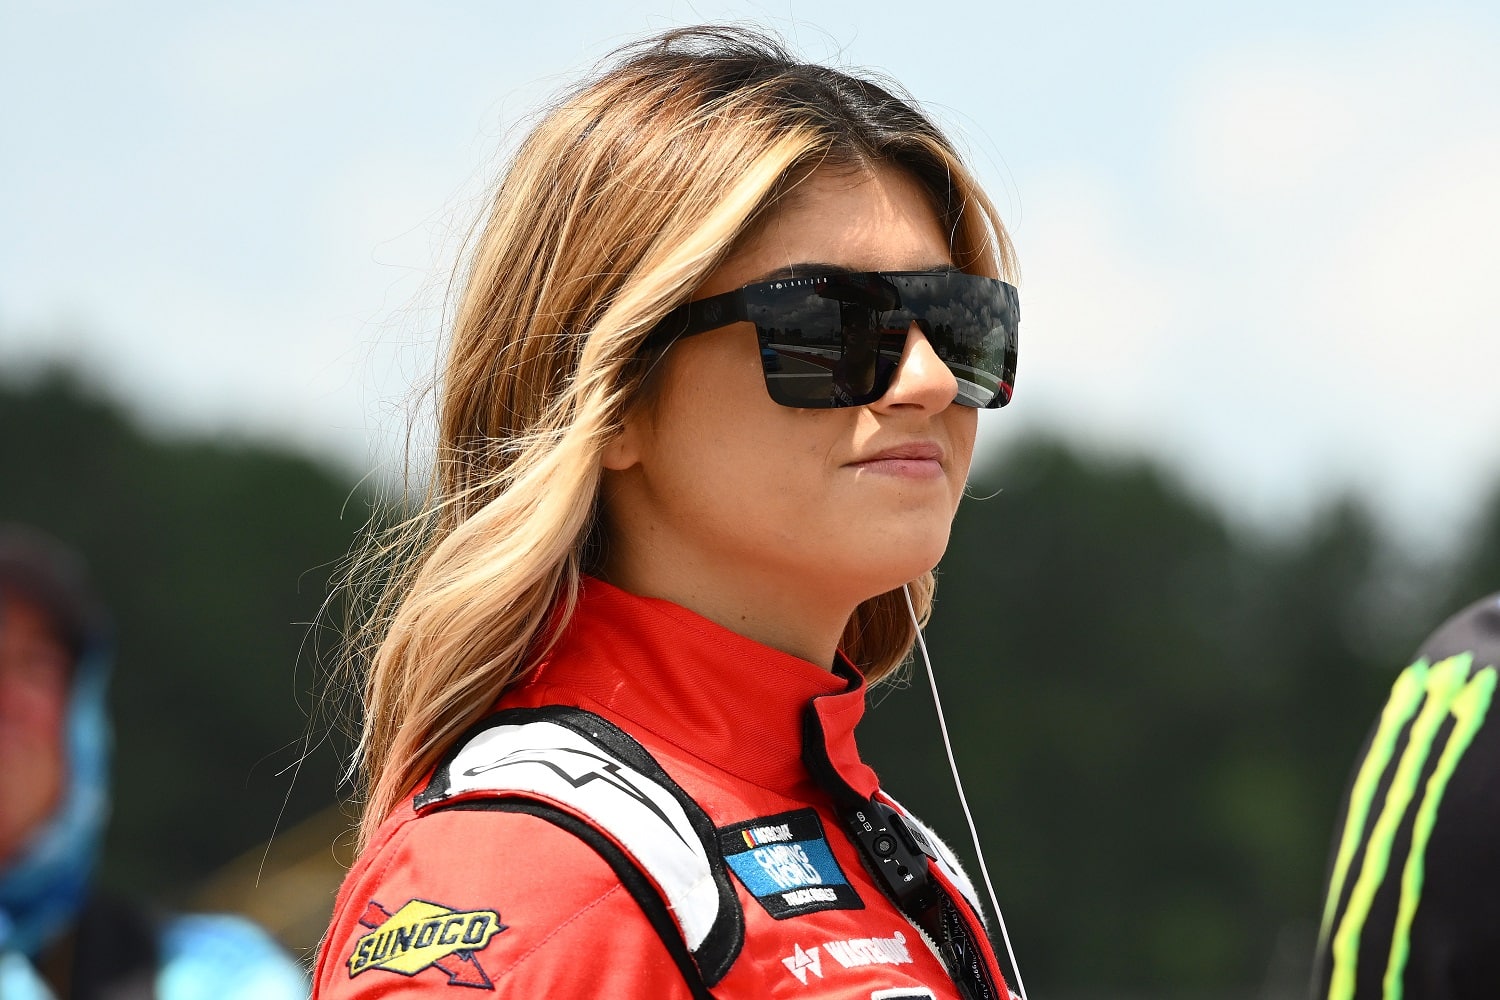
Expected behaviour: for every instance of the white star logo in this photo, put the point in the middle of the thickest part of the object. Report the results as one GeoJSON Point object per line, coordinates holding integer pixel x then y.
{"type": "Point", "coordinates": [800, 961]}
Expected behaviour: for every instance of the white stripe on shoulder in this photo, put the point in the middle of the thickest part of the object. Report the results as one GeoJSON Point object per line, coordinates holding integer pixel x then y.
{"type": "Point", "coordinates": [551, 762]}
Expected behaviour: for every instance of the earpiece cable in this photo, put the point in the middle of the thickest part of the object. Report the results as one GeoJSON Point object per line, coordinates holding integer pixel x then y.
{"type": "Point", "coordinates": [963, 800]}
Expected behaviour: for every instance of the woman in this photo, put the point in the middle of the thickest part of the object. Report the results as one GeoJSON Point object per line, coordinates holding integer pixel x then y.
{"type": "Point", "coordinates": [608, 737]}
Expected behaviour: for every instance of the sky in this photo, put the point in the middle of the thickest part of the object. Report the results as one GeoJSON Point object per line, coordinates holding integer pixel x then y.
{"type": "Point", "coordinates": [1257, 242]}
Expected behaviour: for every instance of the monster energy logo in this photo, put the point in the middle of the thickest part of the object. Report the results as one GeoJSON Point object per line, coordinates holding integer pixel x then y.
{"type": "Point", "coordinates": [1426, 697]}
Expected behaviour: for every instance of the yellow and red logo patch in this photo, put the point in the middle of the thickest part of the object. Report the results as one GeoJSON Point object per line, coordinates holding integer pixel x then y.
{"type": "Point", "coordinates": [423, 935]}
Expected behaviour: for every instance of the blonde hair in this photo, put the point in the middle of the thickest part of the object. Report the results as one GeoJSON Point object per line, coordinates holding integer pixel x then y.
{"type": "Point", "coordinates": [616, 207]}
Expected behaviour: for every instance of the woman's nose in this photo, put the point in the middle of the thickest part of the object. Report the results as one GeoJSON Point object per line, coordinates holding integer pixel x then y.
{"type": "Point", "coordinates": [921, 379]}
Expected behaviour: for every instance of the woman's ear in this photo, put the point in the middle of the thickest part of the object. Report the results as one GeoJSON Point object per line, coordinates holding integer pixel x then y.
{"type": "Point", "coordinates": [624, 449]}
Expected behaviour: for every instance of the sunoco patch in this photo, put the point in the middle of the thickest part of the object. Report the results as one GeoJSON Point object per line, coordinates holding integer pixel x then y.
{"type": "Point", "coordinates": [423, 935]}
{"type": "Point", "coordinates": [787, 865]}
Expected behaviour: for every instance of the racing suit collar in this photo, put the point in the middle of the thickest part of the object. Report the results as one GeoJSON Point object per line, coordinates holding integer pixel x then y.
{"type": "Point", "coordinates": [727, 700]}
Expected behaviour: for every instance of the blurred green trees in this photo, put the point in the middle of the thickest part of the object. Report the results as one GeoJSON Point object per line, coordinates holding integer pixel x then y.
{"type": "Point", "coordinates": [1154, 713]}
{"type": "Point", "coordinates": [1155, 716]}
{"type": "Point", "coordinates": [213, 557]}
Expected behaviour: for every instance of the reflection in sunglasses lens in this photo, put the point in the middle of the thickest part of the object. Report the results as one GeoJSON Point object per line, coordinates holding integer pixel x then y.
{"type": "Point", "coordinates": [837, 341]}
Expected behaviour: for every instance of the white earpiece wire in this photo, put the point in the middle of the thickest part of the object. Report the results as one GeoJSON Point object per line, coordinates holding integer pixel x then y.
{"type": "Point", "coordinates": [963, 800]}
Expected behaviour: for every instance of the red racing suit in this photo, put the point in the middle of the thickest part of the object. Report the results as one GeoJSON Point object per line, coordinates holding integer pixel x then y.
{"type": "Point", "coordinates": [663, 809]}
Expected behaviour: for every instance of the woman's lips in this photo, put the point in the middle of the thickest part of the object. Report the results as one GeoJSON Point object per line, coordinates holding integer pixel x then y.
{"type": "Point", "coordinates": [908, 461]}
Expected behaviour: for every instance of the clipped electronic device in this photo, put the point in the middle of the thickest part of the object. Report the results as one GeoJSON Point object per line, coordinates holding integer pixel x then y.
{"type": "Point", "coordinates": [898, 853]}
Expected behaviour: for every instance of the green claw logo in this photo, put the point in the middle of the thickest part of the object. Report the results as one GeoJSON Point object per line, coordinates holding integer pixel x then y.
{"type": "Point", "coordinates": [1426, 698]}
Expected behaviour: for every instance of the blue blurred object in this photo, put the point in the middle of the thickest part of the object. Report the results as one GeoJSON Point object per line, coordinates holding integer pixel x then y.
{"type": "Point", "coordinates": [217, 957]}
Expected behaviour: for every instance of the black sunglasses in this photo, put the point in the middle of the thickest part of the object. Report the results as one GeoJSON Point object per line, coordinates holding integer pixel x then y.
{"type": "Point", "coordinates": [834, 340]}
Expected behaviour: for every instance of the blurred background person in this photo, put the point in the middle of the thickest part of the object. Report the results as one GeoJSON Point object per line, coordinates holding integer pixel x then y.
{"type": "Point", "coordinates": [58, 936]}
{"type": "Point", "coordinates": [1413, 907]}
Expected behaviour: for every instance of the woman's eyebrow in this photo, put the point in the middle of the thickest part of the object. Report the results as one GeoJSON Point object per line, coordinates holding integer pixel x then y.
{"type": "Point", "coordinates": [812, 267]}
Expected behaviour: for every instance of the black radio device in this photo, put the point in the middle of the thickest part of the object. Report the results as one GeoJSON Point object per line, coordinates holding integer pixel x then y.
{"type": "Point", "coordinates": [897, 852]}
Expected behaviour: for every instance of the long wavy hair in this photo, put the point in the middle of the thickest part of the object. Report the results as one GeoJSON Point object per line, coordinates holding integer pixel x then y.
{"type": "Point", "coordinates": [624, 198]}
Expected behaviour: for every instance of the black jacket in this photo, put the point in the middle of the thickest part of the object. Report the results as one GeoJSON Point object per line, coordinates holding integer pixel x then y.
{"type": "Point", "coordinates": [1413, 898]}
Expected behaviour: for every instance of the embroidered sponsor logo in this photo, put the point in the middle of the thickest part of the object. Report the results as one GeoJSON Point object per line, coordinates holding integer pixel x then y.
{"type": "Point", "coordinates": [852, 954]}
{"type": "Point", "coordinates": [758, 835]}
{"type": "Point", "coordinates": [799, 963]}
{"type": "Point", "coordinates": [870, 951]}
{"type": "Point", "coordinates": [423, 935]}
{"type": "Point", "coordinates": [786, 864]}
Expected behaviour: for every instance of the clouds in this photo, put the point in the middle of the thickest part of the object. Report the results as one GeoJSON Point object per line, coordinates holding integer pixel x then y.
{"type": "Point", "coordinates": [1297, 296]}
{"type": "Point", "coordinates": [1260, 246]}
{"type": "Point", "coordinates": [1099, 317]}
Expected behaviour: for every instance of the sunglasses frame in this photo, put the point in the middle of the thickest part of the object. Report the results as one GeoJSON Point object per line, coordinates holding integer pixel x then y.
{"type": "Point", "coordinates": [736, 306]}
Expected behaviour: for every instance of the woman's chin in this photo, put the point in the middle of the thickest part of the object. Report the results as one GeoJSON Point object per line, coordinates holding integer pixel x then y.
{"type": "Point", "coordinates": [889, 575]}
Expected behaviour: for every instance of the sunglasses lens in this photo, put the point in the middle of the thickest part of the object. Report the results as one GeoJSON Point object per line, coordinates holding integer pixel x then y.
{"type": "Point", "coordinates": [836, 341]}
{"type": "Point", "coordinates": [971, 323]}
